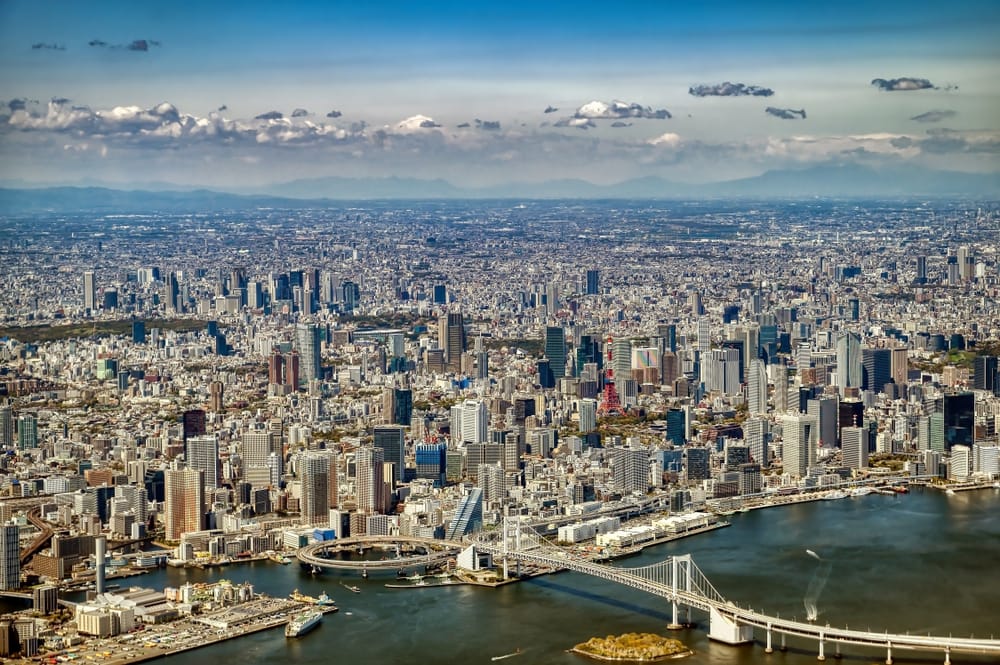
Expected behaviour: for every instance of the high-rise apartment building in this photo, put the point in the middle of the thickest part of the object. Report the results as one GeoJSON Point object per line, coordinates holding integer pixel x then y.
{"type": "Point", "coordinates": [307, 343]}
{"type": "Point", "coordinates": [184, 491]}
{"type": "Point", "coordinates": [316, 470]}
{"type": "Point", "coordinates": [202, 454]}
{"type": "Point", "coordinates": [370, 484]}
{"type": "Point", "coordinates": [798, 450]}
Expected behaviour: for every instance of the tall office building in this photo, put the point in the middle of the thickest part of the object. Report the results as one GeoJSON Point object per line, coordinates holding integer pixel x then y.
{"type": "Point", "coordinates": [468, 516]}
{"type": "Point", "coordinates": [10, 557]}
{"type": "Point", "coordinates": [800, 434]}
{"type": "Point", "coordinates": [959, 419]}
{"type": "Point", "coordinates": [757, 387]}
{"type": "Point", "coordinates": [825, 411]}
{"type": "Point", "coordinates": [431, 460]}
{"type": "Point", "coordinates": [392, 440]}
{"type": "Point", "coordinates": [780, 388]}
{"type": "Point", "coordinates": [316, 469]}
{"type": "Point", "coordinates": [89, 291]}
{"type": "Point", "coordinates": [854, 446]}
{"type": "Point", "coordinates": [451, 339]}
{"type": "Point", "coordinates": [849, 362]}
{"type": "Point", "coordinates": [6, 426]}
{"type": "Point", "coordinates": [593, 282]}
{"type": "Point", "coordinates": [876, 369]}
{"type": "Point", "coordinates": [704, 335]}
{"type": "Point", "coordinates": [677, 426]}
{"type": "Point", "coordinates": [756, 434]}
{"type": "Point", "coordinates": [370, 483]}
{"type": "Point", "coordinates": [171, 293]}
{"type": "Point", "coordinates": [470, 422]}
{"type": "Point", "coordinates": [27, 431]}
{"type": "Point", "coordinates": [985, 375]}
{"type": "Point", "coordinates": [555, 351]}
{"type": "Point", "coordinates": [307, 343]}
{"type": "Point", "coordinates": [184, 491]}
{"type": "Point", "coordinates": [720, 371]}
{"type": "Point", "coordinates": [697, 463]}
{"type": "Point", "coordinates": [202, 454]}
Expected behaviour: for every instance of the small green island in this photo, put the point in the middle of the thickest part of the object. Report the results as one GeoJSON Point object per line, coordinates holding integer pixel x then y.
{"type": "Point", "coordinates": [632, 647]}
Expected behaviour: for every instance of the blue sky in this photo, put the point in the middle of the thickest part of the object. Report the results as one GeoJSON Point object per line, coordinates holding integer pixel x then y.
{"type": "Point", "coordinates": [145, 86]}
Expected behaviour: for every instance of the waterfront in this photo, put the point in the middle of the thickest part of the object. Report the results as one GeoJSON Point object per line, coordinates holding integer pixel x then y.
{"type": "Point", "coordinates": [924, 562]}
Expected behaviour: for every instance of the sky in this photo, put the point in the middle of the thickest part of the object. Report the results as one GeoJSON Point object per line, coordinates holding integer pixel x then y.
{"type": "Point", "coordinates": [244, 94]}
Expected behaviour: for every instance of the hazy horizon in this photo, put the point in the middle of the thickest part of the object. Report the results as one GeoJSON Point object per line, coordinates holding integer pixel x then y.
{"type": "Point", "coordinates": [251, 94]}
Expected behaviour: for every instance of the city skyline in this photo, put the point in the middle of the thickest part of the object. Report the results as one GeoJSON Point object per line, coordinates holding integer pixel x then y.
{"type": "Point", "coordinates": [252, 95]}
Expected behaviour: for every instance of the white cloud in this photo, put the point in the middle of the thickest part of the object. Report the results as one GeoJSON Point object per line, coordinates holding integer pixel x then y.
{"type": "Point", "coordinates": [667, 140]}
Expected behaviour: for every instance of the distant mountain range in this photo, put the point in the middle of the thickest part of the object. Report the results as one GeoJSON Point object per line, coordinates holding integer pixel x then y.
{"type": "Point", "coordinates": [841, 181]}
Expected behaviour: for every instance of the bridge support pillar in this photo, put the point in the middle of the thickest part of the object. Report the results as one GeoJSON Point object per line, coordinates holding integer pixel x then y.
{"type": "Point", "coordinates": [726, 630]}
{"type": "Point", "coordinates": [767, 648]}
{"type": "Point", "coordinates": [947, 656]}
{"type": "Point", "coordinates": [673, 623]}
{"type": "Point", "coordinates": [821, 656]}
{"type": "Point", "coordinates": [836, 651]}
{"type": "Point", "coordinates": [783, 647]}
{"type": "Point", "coordinates": [888, 653]}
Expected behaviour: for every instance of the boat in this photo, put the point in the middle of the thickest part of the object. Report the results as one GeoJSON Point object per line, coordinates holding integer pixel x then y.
{"type": "Point", "coordinates": [834, 495]}
{"type": "Point", "coordinates": [861, 491]}
{"type": "Point", "coordinates": [415, 577]}
{"type": "Point", "coordinates": [351, 588]}
{"type": "Point", "coordinates": [949, 491]}
{"type": "Point", "coordinates": [507, 655]}
{"type": "Point", "coordinates": [302, 624]}
{"type": "Point", "coordinates": [324, 600]}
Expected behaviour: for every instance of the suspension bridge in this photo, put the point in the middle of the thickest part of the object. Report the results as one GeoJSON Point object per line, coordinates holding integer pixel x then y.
{"type": "Point", "coordinates": [679, 581]}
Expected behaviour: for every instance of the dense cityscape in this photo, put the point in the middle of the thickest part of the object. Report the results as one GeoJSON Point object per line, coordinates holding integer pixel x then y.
{"type": "Point", "coordinates": [202, 389]}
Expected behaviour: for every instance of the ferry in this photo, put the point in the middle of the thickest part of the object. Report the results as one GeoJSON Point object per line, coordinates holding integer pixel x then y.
{"type": "Point", "coordinates": [351, 588]}
{"type": "Point", "coordinates": [324, 600]}
{"type": "Point", "coordinates": [302, 624]}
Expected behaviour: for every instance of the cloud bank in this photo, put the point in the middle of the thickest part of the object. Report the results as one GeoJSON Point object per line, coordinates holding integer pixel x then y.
{"type": "Point", "coordinates": [934, 116]}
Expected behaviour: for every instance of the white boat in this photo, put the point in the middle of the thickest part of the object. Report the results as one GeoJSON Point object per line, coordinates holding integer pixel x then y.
{"type": "Point", "coordinates": [302, 623]}
{"type": "Point", "coordinates": [861, 491]}
{"type": "Point", "coordinates": [834, 495]}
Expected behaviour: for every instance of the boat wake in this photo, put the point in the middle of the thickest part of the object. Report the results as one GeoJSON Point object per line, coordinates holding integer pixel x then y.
{"type": "Point", "coordinates": [816, 585]}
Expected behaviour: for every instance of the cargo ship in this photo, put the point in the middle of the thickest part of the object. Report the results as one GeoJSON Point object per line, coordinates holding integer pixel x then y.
{"type": "Point", "coordinates": [302, 623]}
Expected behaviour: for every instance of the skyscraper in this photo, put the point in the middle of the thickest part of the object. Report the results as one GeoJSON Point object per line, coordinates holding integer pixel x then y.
{"type": "Point", "coordinates": [451, 339]}
{"type": "Point", "coordinates": [629, 469]}
{"type": "Point", "coordinates": [704, 335]}
{"type": "Point", "coordinates": [849, 361]}
{"type": "Point", "coordinates": [593, 282]}
{"type": "Point", "coordinates": [472, 422]}
{"type": "Point", "coordinates": [315, 470]}
{"type": "Point", "coordinates": [10, 557]}
{"type": "Point", "coordinates": [854, 444]}
{"type": "Point", "coordinates": [184, 491]}
{"type": "Point", "coordinates": [431, 459]}
{"type": "Point", "coordinates": [756, 435]}
{"type": "Point", "coordinates": [215, 397]}
{"type": "Point", "coordinates": [720, 371]}
{"type": "Point", "coordinates": [307, 343]}
{"type": "Point", "coordinates": [757, 387]}
{"type": "Point", "coordinates": [6, 426]}
{"type": "Point", "coordinates": [27, 431]}
{"type": "Point", "coordinates": [89, 291]}
{"type": "Point", "coordinates": [392, 440]}
{"type": "Point", "coordinates": [588, 415]}
{"type": "Point", "coordinates": [202, 454]}
{"type": "Point", "coordinates": [876, 369]}
{"type": "Point", "coordinates": [370, 480]}
{"type": "Point", "coordinates": [798, 451]}
{"type": "Point", "coordinates": [555, 351]}
{"type": "Point", "coordinates": [985, 375]}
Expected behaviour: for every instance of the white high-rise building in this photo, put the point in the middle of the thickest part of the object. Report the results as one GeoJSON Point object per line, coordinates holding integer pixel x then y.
{"type": "Point", "coordinates": [849, 366]}
{"type": "Point", "coordinates": [755, 434]}
{"type": "Point", "coordinates": [370, 484]}
{"type": "Point", "coordinates": [704, 335]}
{"type": "Point", "coordinates": [89, 291]}
{"type": "Point", "coordinates": [475, 421]}
{"type": "Point", "coordinates": [800, 435]}
{"type": "Point", "coordinates": [588, 415]}
{"type": "Point", "coordinates": [202, 453]}
{"type": "Point", "coordinates": [720, 370]}
{"type": "Point", "coordinates": [854, 446]}
{"type": "Point", "coordinates": [757, 387]}
{"type": "Point", "coordinates": [960, 464]}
